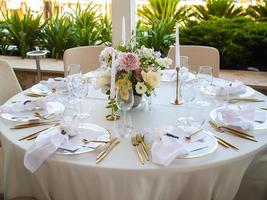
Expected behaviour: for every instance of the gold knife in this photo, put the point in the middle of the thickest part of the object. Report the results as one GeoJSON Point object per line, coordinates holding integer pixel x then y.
{"type": "Point", "coordinates": [33, 124]}
{"type": "Point", "coordinates": [108, 150]}
{"type": "Point", "coordinates": [230, 129]}
{"type": "Point", "coordinates": [33, 134]}
{"type": "Point", "coordinates": [263, 108]}
{"type": "Point", "coordinates": [226, 142]}
{"type": "Point", "coordinates": [233, 100]}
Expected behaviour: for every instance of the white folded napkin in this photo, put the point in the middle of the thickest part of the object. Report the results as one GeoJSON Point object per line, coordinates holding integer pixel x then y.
{"type": "Point", "coordinates": [243, 119]}
{"type": "Point", "coordinates": [53, 83]}
{"type": "Point", "coordinates": [226, 87]}
{"type": "Point", "coordinates": [171, 74]}
{"type": "Point", "coordinates": [21, 106]}
{"type": "Point", "coordinates": [165, 149]}
{"type": "Point", "coordinates": [47, 143]}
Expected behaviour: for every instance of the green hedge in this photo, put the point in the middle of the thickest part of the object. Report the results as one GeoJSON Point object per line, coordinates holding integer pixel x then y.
{"type": "Point", "coordinates": [241, 41]}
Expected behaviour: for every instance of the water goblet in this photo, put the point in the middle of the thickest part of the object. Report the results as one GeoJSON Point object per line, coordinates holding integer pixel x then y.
{"type": "Point", "coordinates": [203, 80]}
{"type": "Point", "coordinates": [124, 101]}
{"type": "Point", "coordinates": [188, 96]}
{"type": "Point", "coordinates": [80, 91]}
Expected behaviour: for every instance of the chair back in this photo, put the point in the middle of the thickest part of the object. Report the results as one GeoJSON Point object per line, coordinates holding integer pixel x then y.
{"type": "Point", "coordinates": [9, 85]}
{"type": "Point", "coordinates": [86, 56]}
{"type": "Point", "coordinates": [198, 56]}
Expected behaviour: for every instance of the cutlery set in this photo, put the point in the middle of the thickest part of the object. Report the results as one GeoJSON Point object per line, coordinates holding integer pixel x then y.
{"type": "Point", "coordinates": [141, 148]}
{"type": "Point", "coordinates": [232, 131]}
{"type": "Point", "coordinates": [112, 144]}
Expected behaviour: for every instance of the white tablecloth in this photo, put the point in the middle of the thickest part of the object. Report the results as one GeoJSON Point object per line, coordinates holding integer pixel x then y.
{"type": "Point", "coordinates": [120, 176]}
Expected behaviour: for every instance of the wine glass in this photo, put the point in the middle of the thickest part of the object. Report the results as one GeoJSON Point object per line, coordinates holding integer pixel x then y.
{"type": "Point", "coordinates": [73, 69]}
{"type": "Point", "coordinates": [80, 91]}
{"type": "Point", "coordinates": [188, 96]}
{"type": "Point", "coordinates": [204, 79]}
{"type": "Point", "coordinates": [124, 101]}
{"type": "Point", "coordinates": [183, 68]}
{"type": "Point", "coordinates": [196, 120]}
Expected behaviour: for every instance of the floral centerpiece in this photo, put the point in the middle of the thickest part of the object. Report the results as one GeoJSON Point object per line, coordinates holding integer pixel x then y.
{"type": "Point", "coordinates": [136, 68]}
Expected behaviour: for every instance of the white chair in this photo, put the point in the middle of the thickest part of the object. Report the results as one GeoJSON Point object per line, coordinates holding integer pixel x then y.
{"type": "Point", "coordinates": [9, 86]}
{"type": "Point", "coordinates": [199, 56]}
{"type": "Point", "coordinates": [87, 57]}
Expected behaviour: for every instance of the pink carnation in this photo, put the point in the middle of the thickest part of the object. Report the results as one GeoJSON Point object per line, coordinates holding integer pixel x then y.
{"type": "Point", "coordinates": [128, 61]}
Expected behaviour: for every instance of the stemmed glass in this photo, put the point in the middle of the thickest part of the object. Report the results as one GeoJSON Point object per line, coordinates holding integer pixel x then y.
{"type": "Point", "coordinates": [203, 81]}
{"type": "Point", "coordinates": [80, 91]}
{"type": "Point", "coordinates": [188, 96]}
{"type": "Point", "coordinates": [183, 68]}
{"type": "Point", "coordinates": [124, 101]}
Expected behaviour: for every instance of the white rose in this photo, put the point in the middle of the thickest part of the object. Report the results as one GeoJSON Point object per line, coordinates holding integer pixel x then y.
{"type": "Point", "coordinates": [102, 82]}
{"type": "Point", "coordinates": [146, 52]}
{"type": "Point", "coordinates": [143, 73]}
{"type": "Point", "coordinates": [103, 79]}
{"type": "Point", "coordinates": [140, 88]}
{"type": "Point", "coordinates": [165, 62]}
{"type": "Point", "coordinates": [152, 78]}
{"type": "Point", "coordinates": [106, 55]}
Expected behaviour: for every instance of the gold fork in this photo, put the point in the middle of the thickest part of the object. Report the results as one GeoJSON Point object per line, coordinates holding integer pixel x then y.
{"type": "Point", "coordinates": [140, 143]}
{"type": "Point", "coordinates": [233, 131]}
{"type": "Point", "coordinates": [135, 145]}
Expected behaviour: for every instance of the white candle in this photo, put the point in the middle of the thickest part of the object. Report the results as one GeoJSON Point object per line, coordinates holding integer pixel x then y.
{"type": "Point", "coordinates": [113, 77]}
{"type": "Point", "coordinates": [177, 47]}
{"type": "Point", "coordinates": [123, 33]}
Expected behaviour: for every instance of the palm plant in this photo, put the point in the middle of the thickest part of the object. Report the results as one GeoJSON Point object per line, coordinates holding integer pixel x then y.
{"type": "Point", "coordinates": [217, 8]}
{"type": "Point", "coordinates": [25, 32]}
{"type": "Point", "coordinates": [58, 36]}
{"type": "Point", "coordinates": [105, 30]}
{"type": "Point", "coordinates": [159, 36]}
{"type": "Point", "coordinates": [162, 9]}
{"type": "Point", "coordinates": [259, 12]}
{"type": "Point", "coordinates": [85, 23]}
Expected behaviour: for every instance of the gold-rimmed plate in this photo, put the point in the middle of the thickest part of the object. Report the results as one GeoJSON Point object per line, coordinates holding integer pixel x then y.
{"type": "Point", "coordinates": [89, 132]}
{"type": "Point", "coordinates": [256, 125]}
{"type": "Point", "coordinates": [205, 146]}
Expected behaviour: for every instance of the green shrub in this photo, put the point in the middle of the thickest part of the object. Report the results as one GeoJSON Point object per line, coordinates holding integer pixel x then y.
{"type": "Point", "coordinates": [85, 25]}
{"type": "Point", "coordinates": [258, 12]}
{"type": "Point", "coordinates": [159, 36]}
{"type": "Point", "coordinates": [105, 30]}
{"type": "Point", "coordinates": [241, 41]}
{"type": "Point", "coordinates": [217, 8]}
{"type": "Point", "coordinates": [58, 36]}
{"type": "Point", "coordinates": [162, 10]}
{"type": "Point", "coordinates": [4, 40]}
{"type": "Point", "coordinates": [25, 32]}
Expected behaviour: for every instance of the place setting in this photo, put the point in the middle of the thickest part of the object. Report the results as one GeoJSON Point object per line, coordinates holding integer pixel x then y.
{"type": "Point", "coordinates": [31, 112]}
{"type": "Point", "coordinates": [45, 88]}
{"type": "Point", "coordinates": [69, 138]}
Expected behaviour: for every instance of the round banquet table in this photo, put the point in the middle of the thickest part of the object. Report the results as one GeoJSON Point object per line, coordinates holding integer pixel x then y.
{"type": "Point", "coordinates": [222, 175]}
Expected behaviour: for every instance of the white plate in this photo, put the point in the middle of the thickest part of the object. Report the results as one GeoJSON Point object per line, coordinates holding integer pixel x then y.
{"type": "Point", "coordinates": [244, 93]}
{"type": "Point", "coordinates": [256, 125]}
{"type": "Point", "coordinates": [41, 89]}
{"type": "Point", "coordinates": [51, 108]}
{"type": "Point", "coordinates": [209, 141]}
{"type": "Point", "coordinates": [169, 75]}
{"type": "Point", "coordinates": [89, 132]}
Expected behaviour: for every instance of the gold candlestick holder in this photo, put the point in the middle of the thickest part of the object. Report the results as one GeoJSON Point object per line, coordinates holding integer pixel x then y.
{"type": "Point", "coordinates": [113, 116]}
{"type": "Point", "coordinates": [178, 100]}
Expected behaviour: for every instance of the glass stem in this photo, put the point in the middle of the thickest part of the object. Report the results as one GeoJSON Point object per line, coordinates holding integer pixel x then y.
{"type": "Point", "coordinates": [124, 118]}
{"type": "Point", "coordinates": [80, 108]}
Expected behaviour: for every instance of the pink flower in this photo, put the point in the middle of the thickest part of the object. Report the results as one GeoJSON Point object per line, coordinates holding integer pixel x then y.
{"type": "Point", "coordinates": [128, 61]}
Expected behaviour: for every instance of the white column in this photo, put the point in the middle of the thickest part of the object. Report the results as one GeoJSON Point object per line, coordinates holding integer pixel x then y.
{"type": "Point", "coordinates": [120, 8]}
